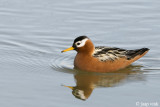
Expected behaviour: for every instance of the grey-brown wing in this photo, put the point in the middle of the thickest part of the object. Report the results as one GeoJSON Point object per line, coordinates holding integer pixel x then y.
{"type": "Point", "coordinates": [113, 53]}
{"type": "Point", "coordinates": [109, 53]}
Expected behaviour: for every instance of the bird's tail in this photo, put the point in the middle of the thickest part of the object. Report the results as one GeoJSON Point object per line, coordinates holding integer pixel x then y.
{"type": "Point", "coordinates": [138, 52]}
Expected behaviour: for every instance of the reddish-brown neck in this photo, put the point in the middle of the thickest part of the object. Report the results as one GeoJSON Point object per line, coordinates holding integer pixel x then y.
{"type": "Point", "coordinates": [88, 48]}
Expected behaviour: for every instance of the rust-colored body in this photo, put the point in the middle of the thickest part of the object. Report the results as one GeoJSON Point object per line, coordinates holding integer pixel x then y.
{"type": "Point", "coordinates": [85, 61]}
{"type": "Point", "coordinates": [89, 63]}
{"type": "Point", "coordinates": [102, 59]}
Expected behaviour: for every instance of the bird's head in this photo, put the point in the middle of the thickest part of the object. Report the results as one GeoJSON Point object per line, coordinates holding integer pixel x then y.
{"type": "Point", "coordinates": [81, 44]}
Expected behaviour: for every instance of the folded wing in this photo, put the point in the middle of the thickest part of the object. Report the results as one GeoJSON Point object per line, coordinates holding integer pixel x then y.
{"type": "Point", "coordinates": [112, 53]}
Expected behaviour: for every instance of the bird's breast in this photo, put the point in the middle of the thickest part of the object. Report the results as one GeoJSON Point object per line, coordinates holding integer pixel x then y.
{"type": "Point", "coordinates": [82, 61]}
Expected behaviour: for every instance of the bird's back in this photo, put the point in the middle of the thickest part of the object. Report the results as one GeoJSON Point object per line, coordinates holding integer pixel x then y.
{"type": "Point", "coordinates": [104, 54]}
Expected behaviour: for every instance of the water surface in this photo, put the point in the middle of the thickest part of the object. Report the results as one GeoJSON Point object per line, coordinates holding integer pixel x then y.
{"type": "Point", "coordinates": [33, 33]}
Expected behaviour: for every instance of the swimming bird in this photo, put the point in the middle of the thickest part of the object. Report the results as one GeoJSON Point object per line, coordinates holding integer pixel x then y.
{"type": "Point", "coordinates": [102, 58]}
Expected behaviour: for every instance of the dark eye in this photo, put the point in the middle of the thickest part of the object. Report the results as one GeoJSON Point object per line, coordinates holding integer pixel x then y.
{"type": "Point", "coordinates": [78, 43]}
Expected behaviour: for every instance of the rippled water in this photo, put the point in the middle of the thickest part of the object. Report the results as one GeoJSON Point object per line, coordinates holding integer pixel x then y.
{"type": "Point", "coordinates": [35, 74]}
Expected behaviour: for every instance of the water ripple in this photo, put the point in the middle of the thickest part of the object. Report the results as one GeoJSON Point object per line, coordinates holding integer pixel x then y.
{"type": "Point", "coordinates": [63, 63]}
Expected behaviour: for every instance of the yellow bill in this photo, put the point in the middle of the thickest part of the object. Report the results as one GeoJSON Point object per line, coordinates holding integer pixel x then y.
{"type": "Point", "coordinates": [68, 87]}
{"type": "Point", "coordinates": [69, 49]}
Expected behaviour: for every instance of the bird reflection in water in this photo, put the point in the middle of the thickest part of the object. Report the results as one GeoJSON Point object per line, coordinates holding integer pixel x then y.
{"type": "Point", "coordinates": [87, 82]}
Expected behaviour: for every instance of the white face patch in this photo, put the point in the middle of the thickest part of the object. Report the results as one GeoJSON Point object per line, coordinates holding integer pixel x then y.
{"type": "Point", "coordinates": [81, 43]}
{"type": "Point", "coordinates": [79, 94]}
